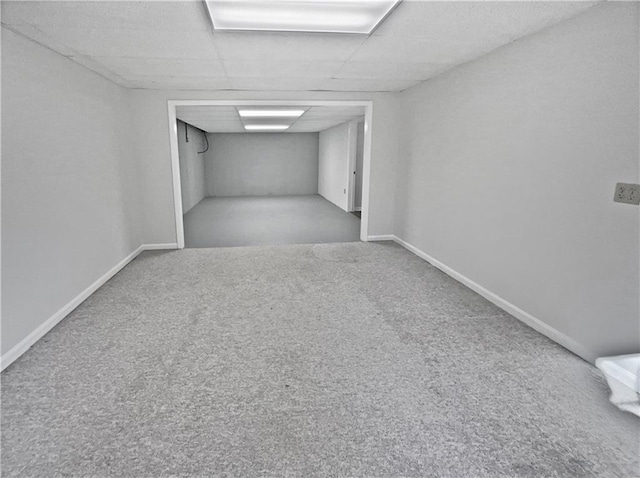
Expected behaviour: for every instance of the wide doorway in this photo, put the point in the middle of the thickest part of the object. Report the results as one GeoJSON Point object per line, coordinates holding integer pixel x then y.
{"type": "Point", "coordinates": [256, 173]}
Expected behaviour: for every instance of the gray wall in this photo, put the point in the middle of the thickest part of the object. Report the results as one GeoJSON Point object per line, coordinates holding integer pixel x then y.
{"type": "Point", "coordinates": [337, 148]}
{"type": "Point", "coordinates": [192, 182]}
{"type": "Point", "coordinates": [70, 185]}
{"type": "Point", "coordinates": [507, 172]}
{"type": "Point", "coordinates": [150, 123]}
{"type": "Point", "coordinates": [262, 164]}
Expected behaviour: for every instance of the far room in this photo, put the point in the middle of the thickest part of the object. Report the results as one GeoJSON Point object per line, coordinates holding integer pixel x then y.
{"type": "Point", "coordinates": [269, 174]}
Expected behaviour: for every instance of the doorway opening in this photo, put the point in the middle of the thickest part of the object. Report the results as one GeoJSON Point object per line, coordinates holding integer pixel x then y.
{"type": "Point", "coordinates": [233, 187]}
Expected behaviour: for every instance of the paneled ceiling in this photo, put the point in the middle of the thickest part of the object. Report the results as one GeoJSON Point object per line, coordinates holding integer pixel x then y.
{"type": "Point", "coordinates": [225, 119]}
{"type": "Point", "coordinates": [170, 44]}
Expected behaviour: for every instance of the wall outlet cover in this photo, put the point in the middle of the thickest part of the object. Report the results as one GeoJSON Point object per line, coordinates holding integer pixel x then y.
{"type": "Point", "coordinates": [627, 193]}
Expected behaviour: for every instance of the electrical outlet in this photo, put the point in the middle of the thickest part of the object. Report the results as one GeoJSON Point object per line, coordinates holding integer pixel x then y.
{"type": "Point", "coordinates": [627, 193]}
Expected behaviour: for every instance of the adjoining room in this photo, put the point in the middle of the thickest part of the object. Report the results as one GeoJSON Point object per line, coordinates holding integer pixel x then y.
{"type": "Point", "coordinates": [268, 175]}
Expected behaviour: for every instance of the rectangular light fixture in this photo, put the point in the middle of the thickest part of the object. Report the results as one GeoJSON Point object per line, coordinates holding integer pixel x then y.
{"type": "Point", "coordinates": [266, 127]}
{"type": "Point", "coordinates": [321, 16]}
{"type": "Point", "coordinates": [270, 113]}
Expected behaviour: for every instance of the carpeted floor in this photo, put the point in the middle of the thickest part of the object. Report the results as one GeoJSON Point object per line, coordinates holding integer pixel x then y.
{"type": "Point", "coordinates": [353, 359]}
{"type": "Point", "coordinates": [267, 221]}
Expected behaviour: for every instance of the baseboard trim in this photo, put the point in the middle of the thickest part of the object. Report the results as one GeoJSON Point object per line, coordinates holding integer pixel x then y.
{"type": "Point", "coordinates": [384, 237]}
{"type": "Point", "coordinates": [156, 247]}
{"type": "Point", "coordinates": [533, 322]}
{"type": "Point", "coordinates": [26, 343]}
{"type": "Point", "coordinates": [504, 304]}
{"type": "Point", "coordinates": [358, 209]}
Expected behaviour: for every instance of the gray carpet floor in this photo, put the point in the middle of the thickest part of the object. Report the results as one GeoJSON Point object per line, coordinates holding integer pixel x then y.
{"type": "Point", "coordinates": [353, 359]}
{"type": "Point", "coordinates": [268, 220]}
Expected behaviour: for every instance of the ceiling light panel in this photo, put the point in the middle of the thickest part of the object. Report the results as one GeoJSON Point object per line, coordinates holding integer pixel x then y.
{"type": "Point", "coordinates": [260, 113]}
{"type": "Point", "coordinates": [328, 16]}
{"type": "Point", "coordinates": [266, 127]}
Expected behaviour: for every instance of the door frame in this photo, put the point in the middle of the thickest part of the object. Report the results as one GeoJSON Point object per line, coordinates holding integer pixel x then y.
{"type": "Point", "coordinates": [353, 161]}
{"type": "Point", "coordinates": [175, 159]}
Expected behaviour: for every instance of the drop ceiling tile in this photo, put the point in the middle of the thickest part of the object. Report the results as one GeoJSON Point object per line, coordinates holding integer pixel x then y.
{"type": "Point", "coordinates": [211, 121]}
{"type": "Point", "coordinates": [336, 117]}
{"type": "Point", "coordinates": [305, 129]}
{"type": "Point", "coordinates": [378, 49]}
{"type": "Point", "coordinates": [309, 126]}
{"type": "Point", "coordinates": [181, 83]}
{"type": "Point", "coordinates": [218, 126]}
{"type": "Point", "coordinates": [368, 85]}
{"type": "Point", "coordinates": [134, 43]}
{"type": "Point", "coordinates": [212, 117]}
{"type": "Point", "coordinates": [476, 21]}
{"type": "Point", "coordinates": [389, 70]}
{"type": "Point", "coordinates": [185, 15]}
{"type": "Point", "coordinates": [224, 129]}
{"type": "Point", "coordinates": [318, 125]}
{"type": "Point", "coordinates": [445, 21]}
{"type": "Point", "coordinates": [286, 46]}
{"type": "Point", "coordinates": [223, 119]}
{"type": "Point", "coordinates": [281, 69]}
{"type": "Point", "coordinates": [281, 84]}
{"type": "Point", "coordinates": [333, 111]}
{"type": "Point", "coordinates": [417, 41]}
{"type": "Point", "coordinates": [206, 110]}
{"type": "Point", "coordinates": [162, 66]}
{"type": "Point", "coordinates": [213, 113]}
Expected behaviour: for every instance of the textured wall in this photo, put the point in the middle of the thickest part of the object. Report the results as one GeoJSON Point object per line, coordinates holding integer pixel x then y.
{"type": "Point", "coordinates": [70, 184]}
{"type": "Point", "coordinates": [337, 154]}
{"type": "Point", "coordinates": [262, 164]}
{"type": "Point", "coordinates": [507, 168]}
{"type": "Point", "coordinates": [192, 180]}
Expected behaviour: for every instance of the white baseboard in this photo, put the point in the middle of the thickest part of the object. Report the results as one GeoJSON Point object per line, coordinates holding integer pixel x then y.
{"type": "Point", "coordinates": [358, 209]}
{"type": "Point", "coordinates": [155, 247]}
{"type": "Point", "coordinates": [385, 237]}
{"type": "Point", "coordinates": [535, 323]}
{"type": "Point", "coordinates": [505, 305]}
{"type": "Point", "coordinates": [26, 343]}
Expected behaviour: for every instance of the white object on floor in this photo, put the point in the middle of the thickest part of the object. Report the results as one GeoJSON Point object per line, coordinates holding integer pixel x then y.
{"type": "Point", "coordinates": [623, 375]}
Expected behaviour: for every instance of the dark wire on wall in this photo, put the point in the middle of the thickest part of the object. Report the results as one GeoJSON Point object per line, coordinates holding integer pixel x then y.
{"type": "Point", "coordinates": [207, 141]}
{"type": "Point", "coordinates": [204, 133]}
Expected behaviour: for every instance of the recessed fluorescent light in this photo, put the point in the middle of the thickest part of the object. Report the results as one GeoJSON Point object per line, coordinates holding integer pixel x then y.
{"type": "Point", "coordinates": [266, 127]}
{"type": "Point", "coordinates": [323, 16]}
{"type": "Point", "coordinates": [271, 113]}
